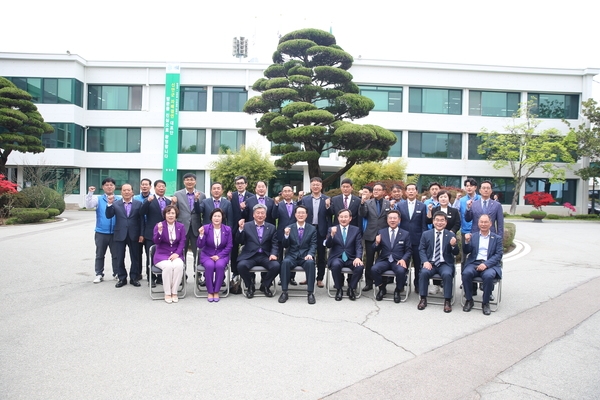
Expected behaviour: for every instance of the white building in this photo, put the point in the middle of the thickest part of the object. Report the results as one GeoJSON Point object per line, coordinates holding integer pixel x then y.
{"type": "Point", "coordinates": [109, 116]}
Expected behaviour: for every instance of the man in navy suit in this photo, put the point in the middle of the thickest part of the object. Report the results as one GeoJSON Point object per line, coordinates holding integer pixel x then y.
{"type": "Point", "coordinates": [152, 213]}
{"type": "Point", "coordinates": [413, 218]}
{"type": "Point", "coordinates": [346, 200]}
{"type": "Point", "coordinates": [260, 248]}
{"type": "Point", "coordinates": [317, 205]}
{"type": "Point", "coordinates": [345, 244]}
{"type": "Point", "coordinates": [284, 213]}
{"type": "Point", "coordinates": [128, 232]}
{"type": "Point", "coordinates": [486, 251]}
{"type": "Point", "coordinates": [216, 200]}
{"type": "Point", "coordinates": [260, 197]}
{"type": "Point", "coordinates": [485, 205]}
{"type": "Point", "coordinates": [438, 248]}
{"type": "Point", "coordinates": [395, 249]}
{"type": "Point", "coordinates": [240, 211]}
{"type": "Point", "coordinates": [300, 239]}
{"type": "Point", "coordinates": [375, 211]}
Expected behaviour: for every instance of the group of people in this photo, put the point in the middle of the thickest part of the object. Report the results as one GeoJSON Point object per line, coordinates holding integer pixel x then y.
{"type": "Point", "coordinates": [370, 233]}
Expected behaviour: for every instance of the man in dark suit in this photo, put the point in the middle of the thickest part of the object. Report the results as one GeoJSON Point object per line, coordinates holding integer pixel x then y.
{"type": "Point", "coordinates": [438, 248]}
{"type": "Point", "coordinates": [284, 213]}
{"type": "Point", "coordinates": [300, 239]}
{"type": "Point", "coordinates": [260, 248]}
{"type": "Point", "coordinates": [375, 211]}
{"type": "Point", "coordinates": [128, 232]}
{"type": "Point", "coordinates": [187, 200]}
{"type": "Point", "coordinates": [345, 244]}
{"type": "Point", "coordinates": [413, 218]}
{"type": "Point", "coordinates": [240, 211]}
{"type": "Point", "coordinates": [346, 200]}
{"type": "Point", "coordinates": [485, 205]}
{"type": "Point", "coordinates": [485, 254]}
{"type": "Point", "coordinates": [260, 197]}
{"type": "Point", "coordinates": [395, 249]}
{"type": "Point", "coordinates": [216, 200]}
{"type": "Point", "coordinates": [152, 212]}
{"type": "Point", "coordinates": [317, 205]}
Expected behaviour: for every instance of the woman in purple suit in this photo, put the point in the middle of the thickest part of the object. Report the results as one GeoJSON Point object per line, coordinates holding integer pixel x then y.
{"type": "Point", "coordinates": [169, 238]}
{"type": "Point", "coordinates": [216, 243]}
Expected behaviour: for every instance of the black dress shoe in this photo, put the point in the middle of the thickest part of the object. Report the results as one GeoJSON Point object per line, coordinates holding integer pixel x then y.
{"type": "Point", "coordinates": [135, 283]}
{"type": "Point", "coordinates": [293, 282]}
{"type": "Point", "coordinates": [422, 304]}
{"type": "Point", "coordinates": [447, 306]}
{"type": "Point", "coordinates": [311, 298]}
{"type": "Point", "coordinates": [468, 305]}
{"type": "Point", "coordinates": [153, 284]}
{"type": "Point", "coordinates": [486, 309]}
{"type": "Point", "coordinates": [121, 283]}
{"type": "Point", "coordinates": [397, 296]}
{"type": "Point", "coordinates": [380, 294]}
{"type": "Point", "coordinates": [368, 286]}
{"type": "Point", "coordinates": [348, 292]}
{"type": "Point", "coordinates": [283, 298]}
{"type": "Point", "coordinates": [339, 294]}
{"type": "Point", "coordinates": [249, 293]}
{"type": "Point", "coordinates": [352, 294]}
{"type": "Point", "coordinates": [266, 291]}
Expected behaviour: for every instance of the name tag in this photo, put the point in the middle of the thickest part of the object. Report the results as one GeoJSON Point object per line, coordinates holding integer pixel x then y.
{"type": "Point", "coordinates": [401, 242]}
{"type": "Point", "coordinates": [418, 211]}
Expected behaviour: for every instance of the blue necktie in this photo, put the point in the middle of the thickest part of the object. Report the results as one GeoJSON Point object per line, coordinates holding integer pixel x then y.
{"type": "Point", "coordinates": [344, 255]}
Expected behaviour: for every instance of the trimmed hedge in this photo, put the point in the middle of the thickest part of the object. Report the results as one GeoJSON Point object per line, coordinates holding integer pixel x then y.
{"type": "Point", "coordinates": [510, 231]}
{"type": "Point", "coordinates": [31, 215]}
{"type": "Point", "coordinates": [52, 212]}
{"type": "Point", "coordinates": [44, 197]}
{"type": "Point", "coordinates": [553, 216]}
{"type": "Point", "coordinates": [586, 216]}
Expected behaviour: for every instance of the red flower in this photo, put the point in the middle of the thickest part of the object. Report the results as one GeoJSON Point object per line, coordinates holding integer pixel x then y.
{"type": "Point", "coordinates": [539, 199]}
{"type": "Point", "coordinates": [7, 186]}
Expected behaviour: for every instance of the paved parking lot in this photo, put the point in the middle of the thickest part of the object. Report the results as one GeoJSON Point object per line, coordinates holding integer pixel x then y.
{"type": "Point", "coordinates": [63, 337]}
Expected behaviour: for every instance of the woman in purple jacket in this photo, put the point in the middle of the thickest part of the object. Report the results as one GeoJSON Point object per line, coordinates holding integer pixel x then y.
{"type": "Point", "coordinates": [169, 238]}
{"type": "Point", "coordinates": [216, 242]}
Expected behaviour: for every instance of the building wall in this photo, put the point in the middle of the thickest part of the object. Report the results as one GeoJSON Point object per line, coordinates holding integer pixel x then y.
{"type": "Point", "coordinates": [151, 76]}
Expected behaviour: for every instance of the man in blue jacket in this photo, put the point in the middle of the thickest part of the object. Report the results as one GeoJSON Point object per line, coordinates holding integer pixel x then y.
{"type": "Point", "coordinates": [104, 228]}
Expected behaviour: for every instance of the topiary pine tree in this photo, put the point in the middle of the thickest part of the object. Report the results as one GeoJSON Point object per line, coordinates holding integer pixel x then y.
{"type": "Point", "coordinates": [21, 124]}
{"type": "Point", "coordinates": [307, 99]}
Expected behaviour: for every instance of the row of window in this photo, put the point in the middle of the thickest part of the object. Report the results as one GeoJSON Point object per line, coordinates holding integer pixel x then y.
{"type": "Point", "coordinates": [232, 99]}
{"type": "Point", "coordinates": [481, 103]}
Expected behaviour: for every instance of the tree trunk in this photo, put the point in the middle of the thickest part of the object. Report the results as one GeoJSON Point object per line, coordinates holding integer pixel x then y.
{"type": "Point", "coordinates": [3, 160]}
{"type": "Point", "coordinates": [314, 169]}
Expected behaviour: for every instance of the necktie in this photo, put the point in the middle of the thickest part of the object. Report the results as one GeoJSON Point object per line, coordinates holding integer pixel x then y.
{"type": "Point", "coordinates": [127, 208]}
{"type": "Point", "coordinates": [259, 232]}
{"type": "Point", "coordinates": [190, 197]}
{"type": "Point", "coordinates": [378, 206]}
{"type": "Point", "coordinates": [345, 201]}
{"type": "Point", "coordinates": [261, 200]}
{"type": "Point", "coordinates": [392, 241]}
{"type": "Point", "coordinates": [217, 203]}
{"type": "Point", "coordinates": [437, 249]}
{"type": "Point", "coordinates": [411, 209]}
{"type": "Point", "coordinates": [300, 233]}
{"type": "Point", "coordinates": [485, 206]}
{"type": "Point", "coordinates": [289, 209]}
{"type": "Point", "coordinates": [344, 255]}
{"type": "Point", "coordinates": [240, 198]}
{"type": "Point", "coordinates": [161, 203]}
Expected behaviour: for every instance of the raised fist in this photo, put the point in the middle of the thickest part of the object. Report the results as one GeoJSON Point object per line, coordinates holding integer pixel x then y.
{"type": "Point", "coordinates": [333, 231]}
{"type": "Point", "coordinates": [287, 231]}
{"type": "Point", "coordinates": [201, 231]}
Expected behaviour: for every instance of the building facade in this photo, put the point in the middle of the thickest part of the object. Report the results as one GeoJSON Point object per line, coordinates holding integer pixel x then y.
{"type": "Point", "coordinates": [108, 118]}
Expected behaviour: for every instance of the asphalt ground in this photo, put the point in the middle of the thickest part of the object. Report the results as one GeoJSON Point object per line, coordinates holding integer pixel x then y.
{"type": "Point", "coordinates": [63, 337]}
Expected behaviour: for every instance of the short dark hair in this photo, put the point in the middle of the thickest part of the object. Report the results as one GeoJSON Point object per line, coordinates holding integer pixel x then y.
{"type": "Point", "coordinates": [440, 214]}
{"type": "Point", "coordinates": [108, 180]}
{"type": "Point", "coordinates": [287, 185]}
{"type": "Point", "coordinates": [216, 183]}
{"type": "Point", "coordinates": [316, 179]}
{"type": "Point", "coordinates": [346, 180]}
{"type": "Point", "coordinates": [392, 211]}
{"type": "Point", "coordinates": [411, 184]}
{"type": "Point", "coordinates": [168, 208]}
{"type": "Point", "coordinates": [344, 210]}
{"type": "Point", "coordinates": [442, 192]}
{"type": "Point", "coordinates": [216, 210]}
{"type": "Point", "coordinates": [487, 181]}
{"type": "Point", "coordinates": [397, 186]}
{"type": "Point", "coordinates": [379, 184]}
{"type": "Point", "coordinates": [148, 180]}
{"type": "Point", "coordinates": [434, 184]}
{"type": "Point", "coordinates": [189, 175]}
{"type": "Point", "coordinates": [237, 178]}
{"type": "Point", "coordinates": [470, 181]}
{"type": "Point", "coordinates": [300, 206]}
{"type": "Point", "coordinates": [369, 188]}
{"type": "Point", "coordinates": [156, 182]}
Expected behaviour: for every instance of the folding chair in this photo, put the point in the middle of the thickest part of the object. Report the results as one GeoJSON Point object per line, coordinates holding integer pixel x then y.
{"type": "Point", "coordinates": [407, 287]}
{"type": "Point", "coordinates": [258, 293]}
{"type": "Point", "coordinates": [200, 291]}
{"type": "Point", "coordinates": [181, 291]}
{"type": "Point", "coordinates": [330, 285]}
{"type": "Point", "coordinates": [439, 299]}
{"type": "Point", "coordinates": [478, 300]}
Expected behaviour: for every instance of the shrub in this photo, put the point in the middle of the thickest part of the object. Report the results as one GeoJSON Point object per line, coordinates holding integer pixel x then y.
{"type": "Point", "coordinates": [30, 216]}
{"type": "Point", "coordinates": [44, 197]}
{"type": "Point", "coordinates": [525, 215]}
{"type": "Point", "coordinates": [505, 214]}
{"type": "Point", "coordinates": [52, 212]}
{"type": "Point", "coordinates": [18, 210]}
{"type": "Point", "coordinates": [553, 216]}
{"type": "Point", "coordinates": [586, 216]}
{"type": "Point", "coordinates": [510, 231]}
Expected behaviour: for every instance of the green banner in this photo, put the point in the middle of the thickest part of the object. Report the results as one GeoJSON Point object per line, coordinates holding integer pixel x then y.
{"type": "Point", "coordinates": [171, 127]}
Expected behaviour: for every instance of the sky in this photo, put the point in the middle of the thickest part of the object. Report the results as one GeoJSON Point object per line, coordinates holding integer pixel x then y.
{"type": "Point", "coordinates": [511, 33]}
